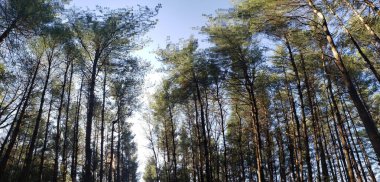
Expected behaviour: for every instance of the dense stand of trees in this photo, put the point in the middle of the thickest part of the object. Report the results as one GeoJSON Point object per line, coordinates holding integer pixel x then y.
{"type": "Point", "coordinates": [286, 91]}
{"type": "Point", "coordinates": [68, 83]}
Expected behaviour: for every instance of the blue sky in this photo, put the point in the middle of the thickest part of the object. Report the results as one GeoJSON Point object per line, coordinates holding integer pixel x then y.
{"type": "Point", "coordinates": [177, 20]}
{"type": "Point", "coordinates": [176, 17]}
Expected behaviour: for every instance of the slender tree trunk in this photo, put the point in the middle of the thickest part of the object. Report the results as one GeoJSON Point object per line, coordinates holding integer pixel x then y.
{"type": "Point", "coordinates": [363, 150]}
{"type": "Point", "coordinates": [350, 138]}
{"type": "Point", "coordinates": [90, 114]}
{"type": "Point", "coordinates": [288, 132]}
{"type": "Point", "coordinates": [304, 126]}
{"type": "Point", "coordinates": [74, 157]}
{"type": "Point", "coordinates": [168, 167]}
{"type": "Point", "coordinates": [223, 132]}
{"type": "Point", "coordinates": [329, 155]}
{"type": "Point", "coordinates": [155, 153]}
{"type": "Point", "coordinates": [29, 155]}
{"type": "Point", "coordinates": [241, 154]}
{"type": "Point", "coordinates": [281, 153]}
{"type": "Point", "coordinates": [95, 149]}
{"type": "Point", "coordinates": [199, 138]}
{"type": "Point", "coordinates": [101, 170]}
{"type": "Point", "coordinates": [270, 164]}
{"type": "Point", "coordinates": [255, 119]}
{"type": "Point", "coordinates": [58, 134]}
{"type": "Point", "coordinates": [298, 133]}
{"type": "Point", "coordinates": [118, 152]}
{"type": "Point", "coordinates": [21, 142]}
{"type": "Point", "coordinates": [315, 120]}
{"type": "Point", "coordinates": [321, 125]}
{"type": "Point", "coordinates": [193, 155]}
{"type": "Point", "coordinates": [41, 166]}
{"type": "Point", "coordinates": [110, 170]}
{"type": "Point", "coordinates": [208, 128]}
{"type": "Point", "coordinates": [64, 152]}
{"type": "Point", "coordinates": [173, 142]}
{"type": "Point", "coordinates": [342, 156]}
{"type": "Point", "coordinates": [203, 122]}
{"type": "Point", "coordinates": [340, 127]}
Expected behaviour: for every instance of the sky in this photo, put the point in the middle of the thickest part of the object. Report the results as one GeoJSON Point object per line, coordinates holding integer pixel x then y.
{"type": "Point", "coordinates": [177, 19]}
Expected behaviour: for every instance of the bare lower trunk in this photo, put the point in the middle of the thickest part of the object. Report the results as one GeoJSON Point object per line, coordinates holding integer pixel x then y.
{"type": "Point", "coordinates": [173, 142]}
{"type": "Point", "coordinates": [58, 134]}
{"type": "Point", "coordinates": [223, 132]}
{"type": "Point", "coordinates": [204, 134]}
{"type": "Point", "coordinates": [110, 170]}
{"type": "Point", "coordinates": [90, 114]}
{"type": "Point", "coordinates": [74, 157]}
{"type": "Point", "coordinates": [40, 176]}
{"type": "Point", "coordinates": [29, 155]}
{"type": "Point", "coordinates": [64, 150]}
{"type": "Point", "coordinates": [101, 170]}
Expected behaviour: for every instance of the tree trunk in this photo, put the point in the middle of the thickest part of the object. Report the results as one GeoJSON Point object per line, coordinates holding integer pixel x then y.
{"type": "Point", "coordinates": [337, 149]}
{"type": "Point", "coordinates": [29, 155]}
{"type": "Point", "coordinates": [298, 164]}
{"type": "Point", "coordinates": [340, 129]}
{"type": "Point", "coordinates": [168, 167]}
{"type": "Point", "coordinates": [304, 126]}
{"type": "Point", "coordinates": [315, 120]}
{"type": "Point", "coordinates": [203, 122]}
{"type": "Point", "coordinates": [241, 155]}
{"type": "Point", "coordinates": [173, 142]}
{"type": "Point", "coordinates": [118, 152]}
{"type": "Point", "coordinates": [223, 132]}
{"type": "Point", "coordinates": [40, 171]}
{"type": "Point", "coordinates": [64, 152]}
{"type": "Point", "coordinates": [199, 138]}
{"type": "Point", "coordinates": [255, 119]}
{"type": "Point", "coordinates": [110, 170]}
{"type": "Point", "coordinates": [101, 170]}
{"type": "Point", "coordinates": [74, 157]}
{"type": "Point", "coordinates": [357, 163]}
{"type": "Point", "coordinates": [363, 150]}
{"type": "Point", "coordinates": [58, 134]}
{"type": "Point", "coordinates": [90, 114]}
{"type": "Point", "coordinates": [281, 154]}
